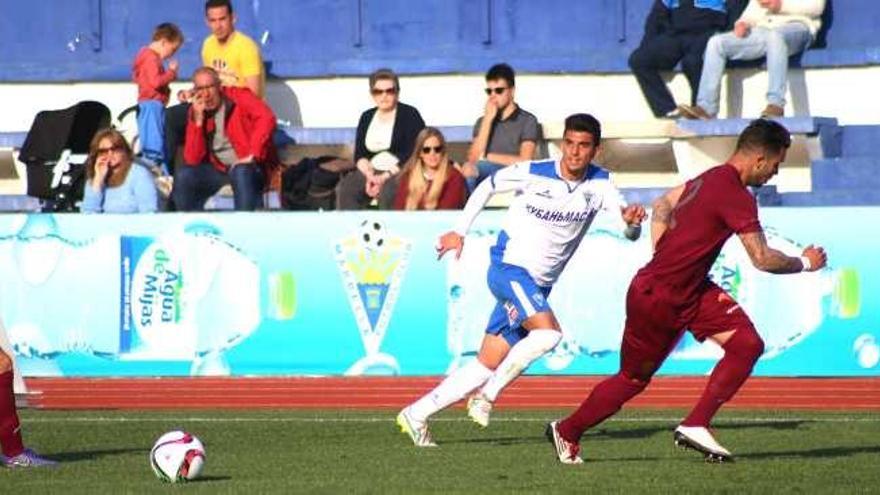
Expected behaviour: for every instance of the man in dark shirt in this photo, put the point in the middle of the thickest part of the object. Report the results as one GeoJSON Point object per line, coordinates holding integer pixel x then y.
{"type": "Point", "coordinates": [689, 225]}
{"type": "Point", "coordinates": [677, 31]}
{"type": "Point", "coordinates": [505, 134]}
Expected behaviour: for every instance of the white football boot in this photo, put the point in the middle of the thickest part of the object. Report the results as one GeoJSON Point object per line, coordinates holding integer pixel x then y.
{"type": "Point", "coordinates": [700, 439]}
{"type": "Point", "coordinates": [567, 452]}
{"type": "Point", "coordinates": [479, 408]}
{"type": "Point", "coordinates": [417, 430]}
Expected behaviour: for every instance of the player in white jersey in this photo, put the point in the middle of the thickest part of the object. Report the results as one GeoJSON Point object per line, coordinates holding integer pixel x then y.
{"type": "Point", "coordinates": [555, 203]}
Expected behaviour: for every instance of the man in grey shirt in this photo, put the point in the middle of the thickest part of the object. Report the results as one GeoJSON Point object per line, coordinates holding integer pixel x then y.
{"type": "Point", "coordinates": [505, 134]}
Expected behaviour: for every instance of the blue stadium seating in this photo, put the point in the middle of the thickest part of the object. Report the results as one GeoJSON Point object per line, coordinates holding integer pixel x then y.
{"type": "Point", "coordinates": [850, 178]}
{"type": "Point", "coordinates": [91, 40]}
{"type": "Point", "coordinates": [94, 40]}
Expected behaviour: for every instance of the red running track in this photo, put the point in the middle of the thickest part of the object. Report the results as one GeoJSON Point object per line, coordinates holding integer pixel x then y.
{"type": "Point", "coordinates": [395, 392]}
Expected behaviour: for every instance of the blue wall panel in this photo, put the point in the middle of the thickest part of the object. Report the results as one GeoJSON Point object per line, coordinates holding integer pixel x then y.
{"type": "Point", "coordinates": [53, 40]}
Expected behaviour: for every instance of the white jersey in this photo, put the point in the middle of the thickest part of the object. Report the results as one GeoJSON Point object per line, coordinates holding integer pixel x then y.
{"type": "Point", "coordinates": [547, 217]}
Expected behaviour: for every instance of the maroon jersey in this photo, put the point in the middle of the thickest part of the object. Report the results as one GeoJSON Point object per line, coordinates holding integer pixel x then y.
{"type": "Point", "coordinates": [713, 206]}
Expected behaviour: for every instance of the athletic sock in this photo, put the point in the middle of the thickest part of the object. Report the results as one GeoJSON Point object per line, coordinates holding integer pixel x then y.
{"type": "Point", "coordinates": [740, 354]}
{"type": "Point", "coordinates": [451, 390]}
{"type": "Point", "coordinates": [10, 428]}
{"type": "Point", "coordinates": [606, 399]}
{"type": "Point", "coordinates": [537, 343]}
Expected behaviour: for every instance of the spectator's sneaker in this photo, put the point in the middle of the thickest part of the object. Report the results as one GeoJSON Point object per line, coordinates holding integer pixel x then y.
{"type": "Point", "coordinates": [28, 459]}
{"type": "Point", "coordinates": [694, 112]}
{"type": "Point", "coordinates": [700, 439]}
{"type": "Point", "coordinates": [566, 451]}
{"type": "Point", "coordinates": [673, 114]}
{"type": "Point", "coordinates": [417, 430]}
{"type": "Point", "coordinates": [479, 408]}
{"type": "Point", "coordinates": [772, 112]}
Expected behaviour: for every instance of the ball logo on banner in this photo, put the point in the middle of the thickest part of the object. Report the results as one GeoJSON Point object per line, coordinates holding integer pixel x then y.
{"type": "Point", "coordinates": [372, 262]}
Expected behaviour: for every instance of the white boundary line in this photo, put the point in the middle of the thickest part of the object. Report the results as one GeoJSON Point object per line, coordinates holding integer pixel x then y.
{"type": "Point", "coordinates": [390, 419]}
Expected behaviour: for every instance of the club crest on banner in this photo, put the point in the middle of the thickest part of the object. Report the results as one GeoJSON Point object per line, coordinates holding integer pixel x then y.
{"type": "Point", "coordinates": [372, 262]}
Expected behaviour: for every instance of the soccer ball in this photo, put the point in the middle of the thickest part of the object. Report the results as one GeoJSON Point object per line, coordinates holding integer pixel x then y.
{"type": "Point", "coordinates": [177, 456]}
{"type": "Point", "coordinates": [372, 234]}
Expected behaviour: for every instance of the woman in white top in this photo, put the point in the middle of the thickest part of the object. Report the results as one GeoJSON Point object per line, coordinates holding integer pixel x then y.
{"type": "Point", "coordinates": [384, 140]}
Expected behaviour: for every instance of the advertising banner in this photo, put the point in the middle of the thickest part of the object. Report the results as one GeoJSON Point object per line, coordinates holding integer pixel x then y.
{"type": "Point", "coordinates": [275, 293]}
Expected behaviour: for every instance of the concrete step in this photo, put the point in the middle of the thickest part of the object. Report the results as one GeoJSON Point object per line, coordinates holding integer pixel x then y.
{"type": "Point", "coordinates": [832, 197]}
{"type": "Point", "coordinates": [847, 172]}
{"type": "Point", "coordinates": [860, 140]}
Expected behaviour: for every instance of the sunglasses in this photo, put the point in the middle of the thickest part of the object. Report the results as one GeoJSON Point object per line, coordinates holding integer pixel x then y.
{"type": "Point", "coordinates": [380, 92]}
{"type": "Point", "coordinates": [435, 149]}
{"type": "Point", "coordinates": [104, 151]}
{"type": "Point", "coordinates": [499, 90]}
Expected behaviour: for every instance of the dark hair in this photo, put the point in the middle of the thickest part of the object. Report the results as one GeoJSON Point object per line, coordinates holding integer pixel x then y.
{"type": "Point", "coordinates": [584, 122]}
{"type": "Point", "coordinates": [765, 135]}
{"type": "Point", "coordinates": [501, 71]}
{"type": "Point", "coordinates": [213, 4]}
{"type": "Point", "coordinates": [384, 74]}
{"type": "Point", "coordinates": [168, 31]}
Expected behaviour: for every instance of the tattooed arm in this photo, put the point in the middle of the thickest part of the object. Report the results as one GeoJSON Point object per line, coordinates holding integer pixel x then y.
{"type": "Point", "coordinates": [772, 260]}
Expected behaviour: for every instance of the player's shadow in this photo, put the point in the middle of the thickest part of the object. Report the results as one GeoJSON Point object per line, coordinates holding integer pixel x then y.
{"type": "Point", "coordinates": [501, 441]}
{"type": "Point", "coordinates": [600, 434]}
{"type": "Point", "coordinates": [647, 431]}
{"type": "Point", "coordinates": [90, 455]}
{"type": "Point", "coordinates": [828, 452]}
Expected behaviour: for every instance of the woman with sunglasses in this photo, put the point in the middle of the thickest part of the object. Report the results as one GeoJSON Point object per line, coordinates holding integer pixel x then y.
{"type": "Point", "coordinates": [385, 136]}
{"type": "Point", "coordinates": [430, 180]}
{"type": "Point", "coordinates": [115, 183]}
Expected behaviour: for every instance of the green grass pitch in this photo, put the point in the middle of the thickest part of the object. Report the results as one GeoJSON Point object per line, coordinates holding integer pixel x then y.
{"type": "Point", "coordinates": [363, 452]}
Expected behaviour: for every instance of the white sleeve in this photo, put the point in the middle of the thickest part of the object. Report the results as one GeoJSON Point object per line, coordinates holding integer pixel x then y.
{"type": "Point", "coordinates": [506, 179]}
{"type": "Point", "coordinates": [510, 178]}
{"type": "Point", "coordinates": [753, 13]}
{"type": "Point", "coordinates": [807, 8]}
{"type": "Point", "coordinates": [612, 198]}
{"type": "Point", "coordinates": [614, 203]}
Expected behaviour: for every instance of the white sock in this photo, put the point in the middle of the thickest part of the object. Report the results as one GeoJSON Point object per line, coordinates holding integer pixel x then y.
{"type": "Point", "coordinates": [537, 343]}
{"type": "Point", "coordinates": [451, 390]}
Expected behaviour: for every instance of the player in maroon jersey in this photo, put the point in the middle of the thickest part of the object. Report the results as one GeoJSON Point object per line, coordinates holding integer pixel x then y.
{"type": "Point", "coordinates": [14, 453]}
{"type": "Point", "coordinates": [673, 293]}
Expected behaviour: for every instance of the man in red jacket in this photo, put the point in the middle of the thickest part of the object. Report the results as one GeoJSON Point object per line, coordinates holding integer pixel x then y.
{"type": "Point", "coordinates": [228, 140]}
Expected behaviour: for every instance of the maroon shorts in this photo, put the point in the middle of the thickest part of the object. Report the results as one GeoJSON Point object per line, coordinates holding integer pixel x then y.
{"type": "Point", "coordinates": [656, 319]}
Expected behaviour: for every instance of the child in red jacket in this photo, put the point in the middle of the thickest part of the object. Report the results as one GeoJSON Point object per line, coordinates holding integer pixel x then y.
{"type": "Point", "coordinates": [153, 89]}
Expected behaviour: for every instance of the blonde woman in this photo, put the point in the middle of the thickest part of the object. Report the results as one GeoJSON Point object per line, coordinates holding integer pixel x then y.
{"type": "Point", "coordinates": [430, 180]}
{"type": "Point", "coordinates": [115, 183]}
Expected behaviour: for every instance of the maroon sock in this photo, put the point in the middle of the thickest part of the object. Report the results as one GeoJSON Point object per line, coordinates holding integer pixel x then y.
{"type": "Point", "coordinates": [606, 399]}
{"type": "Point", "coordinates": [10, 435]}
{"type": "Point", "coordinates": [740, 354]}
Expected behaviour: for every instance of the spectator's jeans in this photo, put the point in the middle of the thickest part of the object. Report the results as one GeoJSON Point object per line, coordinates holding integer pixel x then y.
{"type": "Point", "coordinates": [485, 169]}
{"type": "Point", "coordinates": [151, 131]}
{"type": "Point", "coordinates": [776, 44]}
{"type": "Point", "coordinates": [193, 185]}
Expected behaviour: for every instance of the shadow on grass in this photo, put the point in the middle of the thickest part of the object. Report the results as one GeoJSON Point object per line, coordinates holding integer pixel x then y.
{"type": "Point", "coordinates": [90, 455]}
{"type": "Point", "coordinates": [644, 432]}
{"type": "Point", "coordinates": [824, 452]}
{"type": "Point", "coordinates": [599, 434]}
{"type": "Point", "coordinates": [498, 440]}
{"type": "Point", "coordinates": [209, 479]}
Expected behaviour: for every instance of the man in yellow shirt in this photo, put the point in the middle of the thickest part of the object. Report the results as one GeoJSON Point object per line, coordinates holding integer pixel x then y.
{"type": "Point", "coordinates": [234, 55]}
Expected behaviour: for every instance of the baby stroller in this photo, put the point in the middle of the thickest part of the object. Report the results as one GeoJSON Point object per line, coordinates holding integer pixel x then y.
{"type": "Point", "coordinates": [55, 151]}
